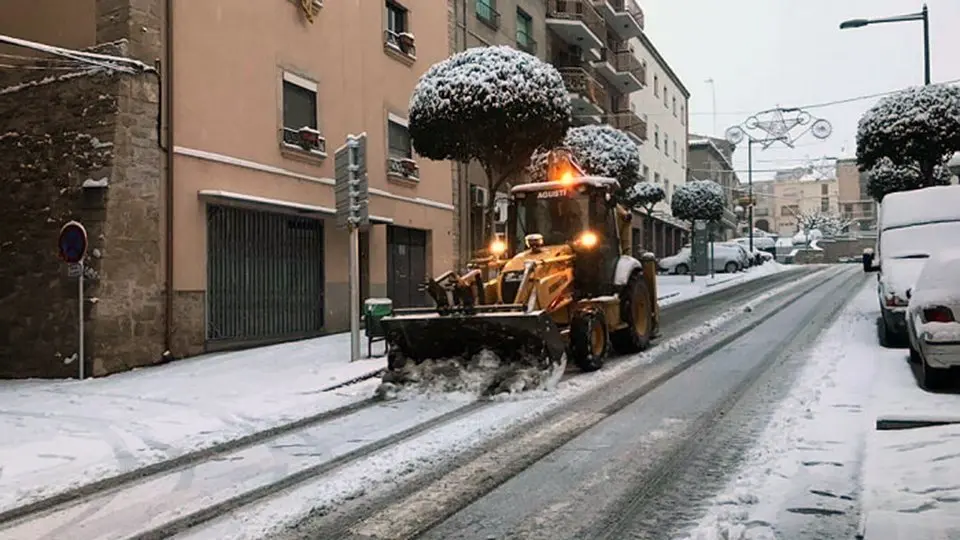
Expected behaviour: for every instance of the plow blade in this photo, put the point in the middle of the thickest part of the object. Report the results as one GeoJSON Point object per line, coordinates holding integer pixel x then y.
{"type": "Point", "coordinates": [511, 334]}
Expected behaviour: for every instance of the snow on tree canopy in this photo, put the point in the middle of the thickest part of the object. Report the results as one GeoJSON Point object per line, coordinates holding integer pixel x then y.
{"type": "Point", "coordinates": [916, 126]}
{"type": "Point", "coordinates": [494, 104]}
{"type": "Point", "coordinates": [886, 178]}
{"type": "Point", "coordinates": [601, 150]}
{"type": "Point", "coordinates": [698, 199]}
{"type": "Point", "coordinates": [644, 195]}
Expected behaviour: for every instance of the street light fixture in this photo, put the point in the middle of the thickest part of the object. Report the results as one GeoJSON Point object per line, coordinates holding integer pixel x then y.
{"type": "Point", "coordinates": [775, 125]}
{"type": "Point", "coordinates": [923, 16]}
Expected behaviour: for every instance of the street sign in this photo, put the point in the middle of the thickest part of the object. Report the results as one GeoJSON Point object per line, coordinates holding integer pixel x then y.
{"type": "Point", "coordinates": [351, 190]}
{"type": "Point", "coordinates": [74, 270]}
{"type": "Point", "coordinates": [72, 243]}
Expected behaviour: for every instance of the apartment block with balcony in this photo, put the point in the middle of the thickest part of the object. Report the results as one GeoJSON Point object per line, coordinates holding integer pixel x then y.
{"type": "Point", "coordinates": [242, 249]}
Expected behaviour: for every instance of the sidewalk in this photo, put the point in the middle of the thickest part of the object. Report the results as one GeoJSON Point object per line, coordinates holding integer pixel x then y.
{"type": "Point", "coordinates": [63, 434]}
{"type": "Point", "coordinates": [59, 435]}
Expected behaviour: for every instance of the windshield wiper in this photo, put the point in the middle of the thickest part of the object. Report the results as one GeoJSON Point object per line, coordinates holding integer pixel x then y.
{"type": "Point", "coordinates": [914, 256]}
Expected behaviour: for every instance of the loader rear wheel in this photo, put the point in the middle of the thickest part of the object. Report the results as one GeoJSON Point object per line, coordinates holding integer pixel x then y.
{"type": "Point", "coordinates": [588, 340]}
{"type": "Point", "coordinates": [636, 311]}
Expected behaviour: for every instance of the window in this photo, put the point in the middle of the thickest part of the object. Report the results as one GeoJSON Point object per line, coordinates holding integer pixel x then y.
{"type": "Point", "coordinates": [646, 173]}
{"type": "Point", "coordinates": [300, 127]}
{"type": "Point", "coordinates": [674, 106]}
{"type": "Point", "coordinates": [666, 187]}
{"type": "Point", "coordinates": [665, 103]}
{"type": "Point", "coordinates": [396, 18]}
{"type": "Point", "coordinates": [525, 31]}
{"type": "Point", "coordinates": [683, 115]}
{"type": "Point", "coordinates": [666, 144]}
{"type": "Point", "coordinates": [656, 178]}
{"type": "Point", "coordinates": [674, 150]}
{"type": "Point", "coordinates": [656, 136]}
{"type": "Point", "coordinates": [823, 189]}
{"type": "Point", "coordinates": [398, 139]}
{"type": "Point", "coordinates": [825, 205]}
{"type": "Point", "coordinates": [487, 12]}
{"type": "Point", "coordinates": [656, 85]}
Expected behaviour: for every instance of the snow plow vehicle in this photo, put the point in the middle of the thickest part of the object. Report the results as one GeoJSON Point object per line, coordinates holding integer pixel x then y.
{"type": "Point", "coordinates": [566, 287]}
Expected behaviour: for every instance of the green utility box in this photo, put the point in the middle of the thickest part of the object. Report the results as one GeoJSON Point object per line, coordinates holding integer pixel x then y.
{"type": "Point", "coordinates": [375, 309]}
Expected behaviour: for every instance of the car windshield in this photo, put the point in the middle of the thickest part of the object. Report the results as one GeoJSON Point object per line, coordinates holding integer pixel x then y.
{"type": "Point", "coordinates": [558, 215]}
{"type": "Point", "coordinates": [918, 241]}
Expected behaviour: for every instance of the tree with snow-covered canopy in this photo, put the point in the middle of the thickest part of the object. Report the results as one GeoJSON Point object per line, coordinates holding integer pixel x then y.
{"type": "Point", "coordinates": [918, 128]}
{"type": "Point", "coordinates": [644, 195]}
{"type": "Point", "coordinates": [495, 105]}
{"type": "Point", "coordinates": [698, 200]}
{"type": "Point", "coordinates": [887, 177]}
{"type": "Point", "coordinates": [600, 150]}
{"type": "Point", "coordinates": [828, 223]}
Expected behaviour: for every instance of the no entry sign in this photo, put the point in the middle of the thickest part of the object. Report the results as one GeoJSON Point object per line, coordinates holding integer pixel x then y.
{"type": "Point", "coordinates": [72, 243]}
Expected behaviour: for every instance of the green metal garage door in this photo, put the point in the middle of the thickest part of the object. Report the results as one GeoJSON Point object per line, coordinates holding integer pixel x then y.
{"type": "Point", "coordinates": [264, 276]}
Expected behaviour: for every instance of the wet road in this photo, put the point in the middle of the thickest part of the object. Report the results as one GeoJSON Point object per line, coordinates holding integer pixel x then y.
{"type": "Point", "coordinates": [645, 469]}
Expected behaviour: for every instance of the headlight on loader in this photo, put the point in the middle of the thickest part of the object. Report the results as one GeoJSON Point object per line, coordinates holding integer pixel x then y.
{"type": "Point", "coordinates": [588, 239]}
{"type": "Point", "coordinates": [498, 247]}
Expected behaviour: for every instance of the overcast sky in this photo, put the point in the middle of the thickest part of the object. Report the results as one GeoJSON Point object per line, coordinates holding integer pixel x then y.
{"type": "Point", "coordinates": [767, 53]}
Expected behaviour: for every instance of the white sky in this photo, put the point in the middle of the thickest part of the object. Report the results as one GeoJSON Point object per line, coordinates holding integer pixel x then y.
{"type": "Point", "coordinates": [765, 53]}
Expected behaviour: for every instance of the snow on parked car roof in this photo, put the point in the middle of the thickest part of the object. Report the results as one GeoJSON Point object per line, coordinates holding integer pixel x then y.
{"type": "Point", "coordinates": [932, 204]}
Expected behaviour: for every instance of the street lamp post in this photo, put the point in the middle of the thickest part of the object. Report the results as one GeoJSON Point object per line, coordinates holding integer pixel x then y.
{"type": "Point", "coordinates": [923, 16]}
{"type": "Point", "coordinates": [776, 125]}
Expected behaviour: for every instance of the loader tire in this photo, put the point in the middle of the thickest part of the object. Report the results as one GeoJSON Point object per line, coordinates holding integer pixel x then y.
{"type": "Point", "coordinates": [589, 340]}
{"type": "Point", "coordinates": [637, 312]}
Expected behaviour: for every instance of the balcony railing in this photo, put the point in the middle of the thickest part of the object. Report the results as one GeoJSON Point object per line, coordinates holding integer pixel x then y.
{"type": "Point", "coordinates": [630, 7]}
{"type": "Point", "coordinates": [487, 14]}
{"type": "Point", "coordinates": [626, 62]}
{"type": "Point", "coordinates": [629, 122]}
{"type": "Point", "coordinates": [401, 167]}
{"type": "Point", "coordinates": [578, 10]}
{"type": "Point", "coordinates": [579, 81]}
{"type": "Point", "coordinates": [402, 42]}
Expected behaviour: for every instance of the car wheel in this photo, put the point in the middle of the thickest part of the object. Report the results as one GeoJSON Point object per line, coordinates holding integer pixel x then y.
{"type": "Point", "coordinates": [731, 267]}
{"type": "Point", "coordinates": [883, 335]}
{"type": "Point", "coordinates": [681, 269]}
{"type": "Point", "coordinates": [933, 378]}
{"type": "Point", "coordinates": [915, 355]}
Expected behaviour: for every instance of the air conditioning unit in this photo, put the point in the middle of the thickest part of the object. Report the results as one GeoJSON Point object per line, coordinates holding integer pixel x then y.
{"type": "Point", "coordinates": [478, 196]}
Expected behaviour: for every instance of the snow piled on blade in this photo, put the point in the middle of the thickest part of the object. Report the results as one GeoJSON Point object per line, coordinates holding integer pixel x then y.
{"type": "Point", "coordinates": [482, 375]}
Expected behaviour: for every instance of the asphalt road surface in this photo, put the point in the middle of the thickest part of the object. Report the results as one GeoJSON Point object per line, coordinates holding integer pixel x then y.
{"type": "Point", "coordinates": [637, 459]}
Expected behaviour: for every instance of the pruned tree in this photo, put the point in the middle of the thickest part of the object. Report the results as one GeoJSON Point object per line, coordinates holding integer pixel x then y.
{"type": "Point", "coordinates": [918, 128]}
{"type": "Point", "coordinates": [601, 150]}
{"type": "Point", "coordinates": [495, 105]}
{"type": "Point", "coordinates": [698, 200]}
{"type": "Point", "coordinates": [828, 223]}
{"type": "Point", "coordinates": [887, 177]}
{"type": "Point", "coordinates": [645, 195]}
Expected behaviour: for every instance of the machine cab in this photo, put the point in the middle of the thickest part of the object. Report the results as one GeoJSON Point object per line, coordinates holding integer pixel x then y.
{"type": "Point", "coordinates": [574, 213]}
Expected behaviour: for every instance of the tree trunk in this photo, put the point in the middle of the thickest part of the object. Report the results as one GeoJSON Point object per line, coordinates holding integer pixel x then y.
{"type": "Point", "coordinates": [927, 167]}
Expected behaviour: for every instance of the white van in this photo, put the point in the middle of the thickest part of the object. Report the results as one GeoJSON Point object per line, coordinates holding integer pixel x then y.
{"type": "Point", "coordinates": [912, 225]}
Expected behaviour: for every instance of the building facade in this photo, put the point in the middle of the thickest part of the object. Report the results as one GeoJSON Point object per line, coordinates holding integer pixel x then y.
{"type": "Point", "coordinates": [603, 55]}
{"type": "Point", "coordinates": [794, 198]}
{"type": "Point", "coordinates": [763, 195]}
{"type": "Point", "coordinates": [855, 204]}
{"type": "Point", "coordinates": [712, 159]}
{"type": "Point", "coordinates": [221, 171]}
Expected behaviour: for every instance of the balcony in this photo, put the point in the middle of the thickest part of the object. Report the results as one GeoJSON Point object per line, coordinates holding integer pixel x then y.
{"type": "Point", "coordinates": [622, 70]}
{"type": "Point", "coordinates": [588, 96]}
{"type": "Point", "coordinates": [630, 123]}
{"type": "Point", "coordinates": [577, 23]}
{"type": "Point", "coordinates": [403, 168]}
{"type": "Point", "coordinates": [624, 16]}
{"type": "Point", "coordinates": [488, 15]}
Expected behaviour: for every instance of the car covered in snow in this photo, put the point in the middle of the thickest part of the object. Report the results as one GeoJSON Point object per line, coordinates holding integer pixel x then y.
{"type": "Point", "coordinates": [725, 259]}
{"type": "Point", "coordinates": [912, 226]}
{"type": "Point", "coordinates": [932, 318]}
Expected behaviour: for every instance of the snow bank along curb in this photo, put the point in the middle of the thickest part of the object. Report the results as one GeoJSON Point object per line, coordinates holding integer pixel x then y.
{"type": "Point", "coordinates": [444, 445]}
{"type": "Point", "coordinates": [835, 381]}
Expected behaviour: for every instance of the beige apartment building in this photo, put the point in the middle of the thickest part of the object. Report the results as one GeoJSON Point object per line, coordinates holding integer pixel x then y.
{"type": "Point", "coordinates": [213, 227]}
{"type": "Point", "coordinates": [855, 204]}
{"type": "Point", "coordinates": [804, 196]}
{"type": "Point", "coordinates": [601, 51]}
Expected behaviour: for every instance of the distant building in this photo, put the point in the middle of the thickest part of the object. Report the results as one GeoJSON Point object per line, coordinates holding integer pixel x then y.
{"type": "Point", "coordinates": [855, 203]}
{"type": "Point", "coordinates": [709, 158]}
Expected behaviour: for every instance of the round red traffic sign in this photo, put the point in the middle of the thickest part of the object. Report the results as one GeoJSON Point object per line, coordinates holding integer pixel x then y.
{"type": "Point", "coordinates": [72, 243]}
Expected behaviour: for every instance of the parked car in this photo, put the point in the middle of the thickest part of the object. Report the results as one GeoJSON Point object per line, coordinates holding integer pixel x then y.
{"type": "Point", "coordinates": [725, 259]}
{"type": "Point", "coordinates": [746, 260]}
{"type": "Point", "coordinates": [932, 312]}
{"type": "Point", "coordinates": [912, 226]}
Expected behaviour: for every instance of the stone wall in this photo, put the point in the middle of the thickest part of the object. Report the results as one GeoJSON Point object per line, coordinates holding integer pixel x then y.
{"type": "Point", "coordinates": [57, 135]}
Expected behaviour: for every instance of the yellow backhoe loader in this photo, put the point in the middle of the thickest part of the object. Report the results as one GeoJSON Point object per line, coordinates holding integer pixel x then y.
{"type": "Point", "coordinates": [567, 287]}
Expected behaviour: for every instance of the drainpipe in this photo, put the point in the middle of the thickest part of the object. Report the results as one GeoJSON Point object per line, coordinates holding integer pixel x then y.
{"type": "Point", "coordinates": [168, 244]}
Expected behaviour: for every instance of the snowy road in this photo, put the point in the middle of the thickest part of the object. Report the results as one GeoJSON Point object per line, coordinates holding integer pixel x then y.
{"type": "Point", "coordinates": [399, 438]}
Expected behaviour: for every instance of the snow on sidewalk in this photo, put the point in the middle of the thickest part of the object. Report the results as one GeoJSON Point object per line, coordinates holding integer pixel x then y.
{"type": "Point", "coordinates": [814, 441]}
{"type": "Point", "coordinates": [912, 476]}
{"type": "Point", "coordinates": [62, 434]}
{"type": "Point", "coordinates": [672, 289]}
